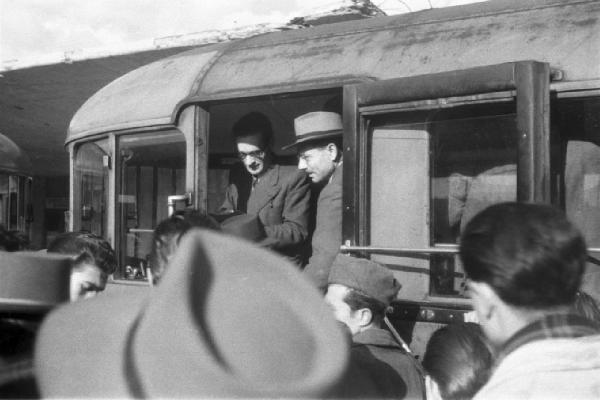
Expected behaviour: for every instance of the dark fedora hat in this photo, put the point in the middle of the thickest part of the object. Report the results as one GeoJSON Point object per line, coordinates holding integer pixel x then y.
{"type": "Point", "coordinates": [33, 282]}
{"type": "Point", "coordinates": [229, 319]}
{"type": "Point", "coordinates": [317, 125]}
{"type": "Point", "coordinates": [246, 226]}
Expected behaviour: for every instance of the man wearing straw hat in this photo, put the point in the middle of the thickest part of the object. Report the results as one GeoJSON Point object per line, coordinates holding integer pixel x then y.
{"type": "Point", "coordinates": [319, 147]}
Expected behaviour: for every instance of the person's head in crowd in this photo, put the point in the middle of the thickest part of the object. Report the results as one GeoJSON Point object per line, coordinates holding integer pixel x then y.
{"type": "Point", "coordinates": [94, 261]}
{"type": "Point", "coordinates": [11, 240]}
{"type": "Point", "coordinates": [360, 292]}
{"type": "Point", "coordinates": [168, 233]}
{"type": "Point", "coordinates": [253, 135]}
{"type": "Point", "coordinates": [22, 239]}
{"type": "Point", "coordinates": [458, 362]}
{"type": "Point", "coordinates": [523, 261]}
{"type": "Point", "coordinates": [587, 307]}
{"type": "Point", "coordinates": [318, 144]}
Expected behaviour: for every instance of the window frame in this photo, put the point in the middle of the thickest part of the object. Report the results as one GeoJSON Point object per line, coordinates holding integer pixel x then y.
{"type": "Point", "coordinates": [527, 82]}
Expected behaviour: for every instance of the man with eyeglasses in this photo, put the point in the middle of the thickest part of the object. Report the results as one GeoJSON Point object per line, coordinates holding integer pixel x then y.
{"type": "Point", "coordinates": [279, 195]}
{"type": "Point", "coordinates": [319, 148]}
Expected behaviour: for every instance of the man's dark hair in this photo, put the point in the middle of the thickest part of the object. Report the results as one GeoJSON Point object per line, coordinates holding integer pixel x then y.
{"type": "Point", "coordinates": [529, 254]}
{"type": "Point", "coordinates": [87, 247]}
{"type": "Point", "coordinates": [459, 360]}
{"type": "Point", "coordinates": [587, 307]}
{"type": "Point", "coordinates": [168, 233]}
{"type": "Point", "coordinates": [9, 241]}
{"type": "Point", "coordinates": [254, 123]}
{"type": "Point", "coordinates": [357, 300]}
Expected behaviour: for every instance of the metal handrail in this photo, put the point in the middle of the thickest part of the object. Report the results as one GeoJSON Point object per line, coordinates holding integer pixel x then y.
{"type": "Point", "coordinates": [439, 249]}
{"type": "Point", "coordinates": [447, 249]}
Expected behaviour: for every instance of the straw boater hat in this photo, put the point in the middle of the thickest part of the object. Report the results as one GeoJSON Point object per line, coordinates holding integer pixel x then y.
{"type": "Point", "coordinates": [316, 125]}
{"type": "Point", "coordinates": [33, 282]}
{"type": "Point", "coordinates": [229, 319]}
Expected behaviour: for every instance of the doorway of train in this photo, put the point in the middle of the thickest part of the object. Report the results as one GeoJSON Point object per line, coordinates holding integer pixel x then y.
{"type": "Point", "coordinates": [149, 169]}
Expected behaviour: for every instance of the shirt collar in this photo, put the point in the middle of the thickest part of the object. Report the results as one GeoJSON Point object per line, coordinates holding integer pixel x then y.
{"type": "Point", "coordinates": [560, 325]}
{"type": "Point", "coordinates": [376, 337]}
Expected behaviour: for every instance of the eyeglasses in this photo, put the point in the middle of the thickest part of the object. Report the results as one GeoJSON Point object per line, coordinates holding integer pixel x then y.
{"type": "Point", "coordinates": [259, 154]}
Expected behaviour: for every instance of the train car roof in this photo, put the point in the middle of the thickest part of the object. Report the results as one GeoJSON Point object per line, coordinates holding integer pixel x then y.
{"type": "Point", "coordinates": [12, 159]}
{"type": "Point", "coordinates": [563, 33]}
{"type": "Point", "coordinates": [37, 102]}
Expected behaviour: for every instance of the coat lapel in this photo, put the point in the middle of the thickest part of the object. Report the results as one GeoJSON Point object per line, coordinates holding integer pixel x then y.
{"type": "Point", "coordinates": [264, 191]}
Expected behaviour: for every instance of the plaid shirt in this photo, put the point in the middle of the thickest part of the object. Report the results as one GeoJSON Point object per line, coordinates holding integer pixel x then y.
{"type": "Point", "coordinates": [550, 326]}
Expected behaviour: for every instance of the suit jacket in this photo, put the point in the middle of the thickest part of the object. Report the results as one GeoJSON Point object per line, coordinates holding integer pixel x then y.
{"type": "Point", "coordinates": [281, 199]}
{"type": "Point", "coordinates": [327, 237]}
{"type": "Point", "coordinates": [380, 368]}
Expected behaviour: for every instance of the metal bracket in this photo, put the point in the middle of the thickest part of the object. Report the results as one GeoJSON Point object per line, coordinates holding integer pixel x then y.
{"type": "Point", "coordinates": [176, 198]}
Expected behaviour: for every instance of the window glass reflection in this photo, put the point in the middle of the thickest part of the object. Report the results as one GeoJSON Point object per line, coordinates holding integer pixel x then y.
{"type": "Point", "coordinates": [152, 167]}
{"type": "Point", "coordinates": [92, 176]}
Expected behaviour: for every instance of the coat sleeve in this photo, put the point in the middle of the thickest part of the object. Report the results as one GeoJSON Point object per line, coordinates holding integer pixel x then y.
{"type": "Point", "coordinates": [295, 214]}
{"type": "Point", "coordinates": [327, 236]}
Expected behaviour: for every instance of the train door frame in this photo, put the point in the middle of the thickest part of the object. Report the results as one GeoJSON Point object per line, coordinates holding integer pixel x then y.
{"type": "Point", "coordinates": [528, 82]}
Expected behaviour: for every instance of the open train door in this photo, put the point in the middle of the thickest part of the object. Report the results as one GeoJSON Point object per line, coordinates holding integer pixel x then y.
{"type": "Point", "coordinates": [422, 155]}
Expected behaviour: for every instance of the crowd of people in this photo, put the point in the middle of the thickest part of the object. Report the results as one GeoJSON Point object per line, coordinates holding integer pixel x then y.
{"type": "Point", "coordinates": [241, 308]}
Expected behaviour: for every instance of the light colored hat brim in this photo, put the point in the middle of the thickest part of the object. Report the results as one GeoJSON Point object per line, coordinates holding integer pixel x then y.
{"type": "Point", "coordinates": [313, 137]}
{"type": "Point", "coordinates": [88, 360]}
{"type": "Point", "coordinates": [25, 306]}
{"type": "Point", "coordinates": [228, 319]}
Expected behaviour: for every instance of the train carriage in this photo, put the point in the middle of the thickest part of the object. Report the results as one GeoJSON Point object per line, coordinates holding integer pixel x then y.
{"type": "Point", "coordinates": [445, 111]}
{"type": "Point", "coordinates": [15, 187]}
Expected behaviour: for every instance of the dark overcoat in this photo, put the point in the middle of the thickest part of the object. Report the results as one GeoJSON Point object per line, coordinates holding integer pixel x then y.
{"type": "Point", "coordinates": [327, 237]}
{"type": "Point", "coordinates": [381, 368]}
{"type": "Point", "coordinates": [281, 199]}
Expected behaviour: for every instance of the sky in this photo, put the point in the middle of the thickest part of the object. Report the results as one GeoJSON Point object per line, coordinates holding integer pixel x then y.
{"type": "Point", "coordinates": [37, 28]}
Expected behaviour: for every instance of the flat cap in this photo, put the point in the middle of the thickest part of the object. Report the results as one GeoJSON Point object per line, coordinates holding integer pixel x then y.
{"type": "Point", "coordinates": [367, 276]}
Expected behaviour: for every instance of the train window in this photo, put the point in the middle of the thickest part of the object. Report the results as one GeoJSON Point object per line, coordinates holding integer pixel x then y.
{"type": "Point", "coordinates": [474, 165]}
{"type": "Point", "coordinates": [431, 171]}
{"type": "Point", "coordinates": [225, 167]}
{"type": "Point", "coordinates": [578, 123]}
{"type": "Point", "coordinates": [151, 168]}
{"type": "Point", "coordinates": [14, 192]}
{"type": "Point", "coordinates": [579, 126]}
{"type": "Point", "coordinates": [92, 178]}
{"type": "Point", "coordinates": [5, 200]}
